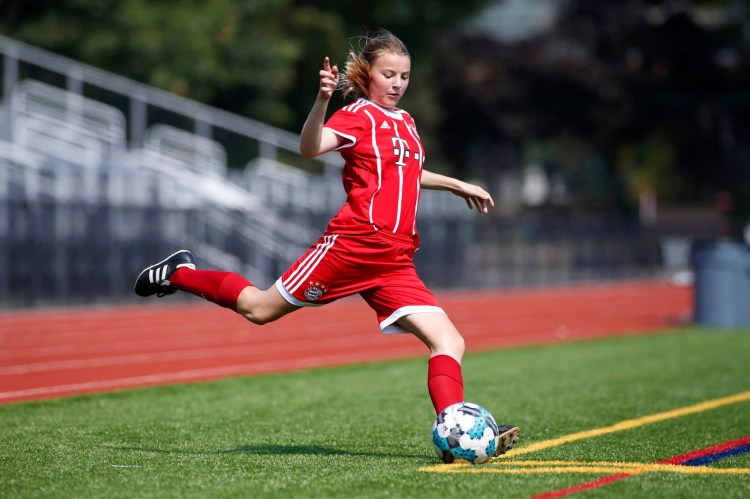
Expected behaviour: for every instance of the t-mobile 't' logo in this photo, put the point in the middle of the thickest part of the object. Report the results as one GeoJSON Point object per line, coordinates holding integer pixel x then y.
{"type": "Point", "coordinates": [400, 150]}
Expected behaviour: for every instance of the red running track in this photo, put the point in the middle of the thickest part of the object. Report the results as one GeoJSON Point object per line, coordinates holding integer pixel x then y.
{"type": "Point", "coordinates": [54, 353]}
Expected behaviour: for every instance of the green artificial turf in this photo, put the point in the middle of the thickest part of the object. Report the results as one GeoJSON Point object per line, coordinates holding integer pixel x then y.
{"type": "Point", "coordinates": [364, 430]}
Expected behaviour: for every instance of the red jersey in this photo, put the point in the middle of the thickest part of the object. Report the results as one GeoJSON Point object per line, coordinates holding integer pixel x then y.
{"type": "Point", "coordinates": [383, 168]}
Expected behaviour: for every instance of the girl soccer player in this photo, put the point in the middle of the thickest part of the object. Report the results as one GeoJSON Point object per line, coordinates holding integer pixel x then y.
{"type": "Point", "coordinates": [368, 246]}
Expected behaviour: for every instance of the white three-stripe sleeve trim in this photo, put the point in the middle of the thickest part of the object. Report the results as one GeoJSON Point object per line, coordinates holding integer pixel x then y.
{"type": "Point", "coordinates": [354, 106]}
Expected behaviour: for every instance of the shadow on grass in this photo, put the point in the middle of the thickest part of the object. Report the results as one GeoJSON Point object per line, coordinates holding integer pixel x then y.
{"type": "Point", "coordinates": [270, 449]}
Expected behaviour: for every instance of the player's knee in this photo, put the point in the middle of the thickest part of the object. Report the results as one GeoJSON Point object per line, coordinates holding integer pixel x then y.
{"type": "Point", "coordinates": [255, 314]}
{"type": "Point", "coordinates": [258, 317]}
{"type": "Point", "coordinates": [458, 344]}
{"type": "Point", "coordinates": [257, 320]}
{"type": "Point", "coordinates": [257, 308]}
{"type": "Point", "coordinates": [451, 344]}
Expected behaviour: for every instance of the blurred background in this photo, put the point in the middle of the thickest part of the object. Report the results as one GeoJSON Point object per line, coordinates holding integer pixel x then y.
{"type": "Point", "coordinates": [612, 135]}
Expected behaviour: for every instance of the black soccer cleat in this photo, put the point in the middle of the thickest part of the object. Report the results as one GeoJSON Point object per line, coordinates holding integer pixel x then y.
{"type": "Point", "coordinates": [155, 279]}
{"type": "Point", "coordinates": [508, 437]}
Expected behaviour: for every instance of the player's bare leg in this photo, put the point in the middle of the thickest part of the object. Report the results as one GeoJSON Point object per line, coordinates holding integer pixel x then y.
{"type": "Point", "coordinates": [436, 331]}
{"type": "Point", "coordinates": [263, 306]}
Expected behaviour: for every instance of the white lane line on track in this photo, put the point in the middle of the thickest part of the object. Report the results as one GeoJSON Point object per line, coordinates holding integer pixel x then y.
{"type": "Point", "coordinates": [191, 375]}
{"type": "Point", "coordinates": [285, 348]}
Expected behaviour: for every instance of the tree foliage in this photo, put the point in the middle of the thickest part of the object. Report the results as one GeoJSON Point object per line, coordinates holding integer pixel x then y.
{"type": "Point", "coordinates": [640, 88]}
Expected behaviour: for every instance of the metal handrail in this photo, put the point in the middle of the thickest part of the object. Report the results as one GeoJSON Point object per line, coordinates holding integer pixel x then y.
{"type": "Point", "coordinates": [205, 117]}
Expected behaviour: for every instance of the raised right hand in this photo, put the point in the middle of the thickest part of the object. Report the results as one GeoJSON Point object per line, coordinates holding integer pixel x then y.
{"type": "Point", "coordinates": [329, 79]}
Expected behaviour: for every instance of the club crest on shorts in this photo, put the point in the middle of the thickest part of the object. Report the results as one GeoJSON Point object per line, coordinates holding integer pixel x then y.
{"type": "Point", "coordinates": [314, 291]}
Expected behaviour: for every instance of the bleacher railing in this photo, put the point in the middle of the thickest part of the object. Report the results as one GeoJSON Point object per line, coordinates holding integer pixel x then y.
{"type": "Point", "coordinates": [142, 99]}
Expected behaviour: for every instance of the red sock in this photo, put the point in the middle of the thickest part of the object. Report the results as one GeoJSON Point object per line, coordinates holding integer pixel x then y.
{"type": "Point", "coordinates": [444, 381]}
{"type": "Point", "coordinates": [222, 288]}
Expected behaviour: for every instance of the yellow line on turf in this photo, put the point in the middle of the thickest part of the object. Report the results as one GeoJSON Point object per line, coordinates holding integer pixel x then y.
{"type": "Point", "coordinates": [629, 424]}
{"type": "Point", "coordinates": [539, 467]}
{"type": "Point", "coordinates": [623, 467]}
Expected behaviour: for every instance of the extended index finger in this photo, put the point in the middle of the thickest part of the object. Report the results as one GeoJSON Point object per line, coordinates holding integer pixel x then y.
{"type": "Point", "coordinates": [326, 64]}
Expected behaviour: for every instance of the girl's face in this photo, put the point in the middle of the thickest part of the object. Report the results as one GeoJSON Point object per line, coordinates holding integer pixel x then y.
{"type": "Point", "coordinates": [389, 79]}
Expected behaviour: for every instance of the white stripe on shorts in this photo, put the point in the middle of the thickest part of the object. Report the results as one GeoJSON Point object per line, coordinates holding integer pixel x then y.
{"type": "Point", "coordinates": [389, 326]}
{"type": "Point", "coordinates": [307, 266]}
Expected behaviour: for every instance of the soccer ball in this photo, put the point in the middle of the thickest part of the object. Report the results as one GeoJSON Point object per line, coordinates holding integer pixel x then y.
{"type": "Point", "coordinates": [465, 432]}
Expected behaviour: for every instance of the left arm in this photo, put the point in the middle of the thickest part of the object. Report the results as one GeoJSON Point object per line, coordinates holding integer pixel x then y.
{"type": "Point", "coordinates": [474, 195]}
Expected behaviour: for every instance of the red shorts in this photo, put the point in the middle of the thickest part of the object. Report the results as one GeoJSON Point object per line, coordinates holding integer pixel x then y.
{"type": "Point", "coordinates": [376, 265]}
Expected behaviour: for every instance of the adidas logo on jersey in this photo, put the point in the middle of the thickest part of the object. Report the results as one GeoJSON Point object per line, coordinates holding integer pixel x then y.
{"type": "Point", "coordinates": [385, 125]}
